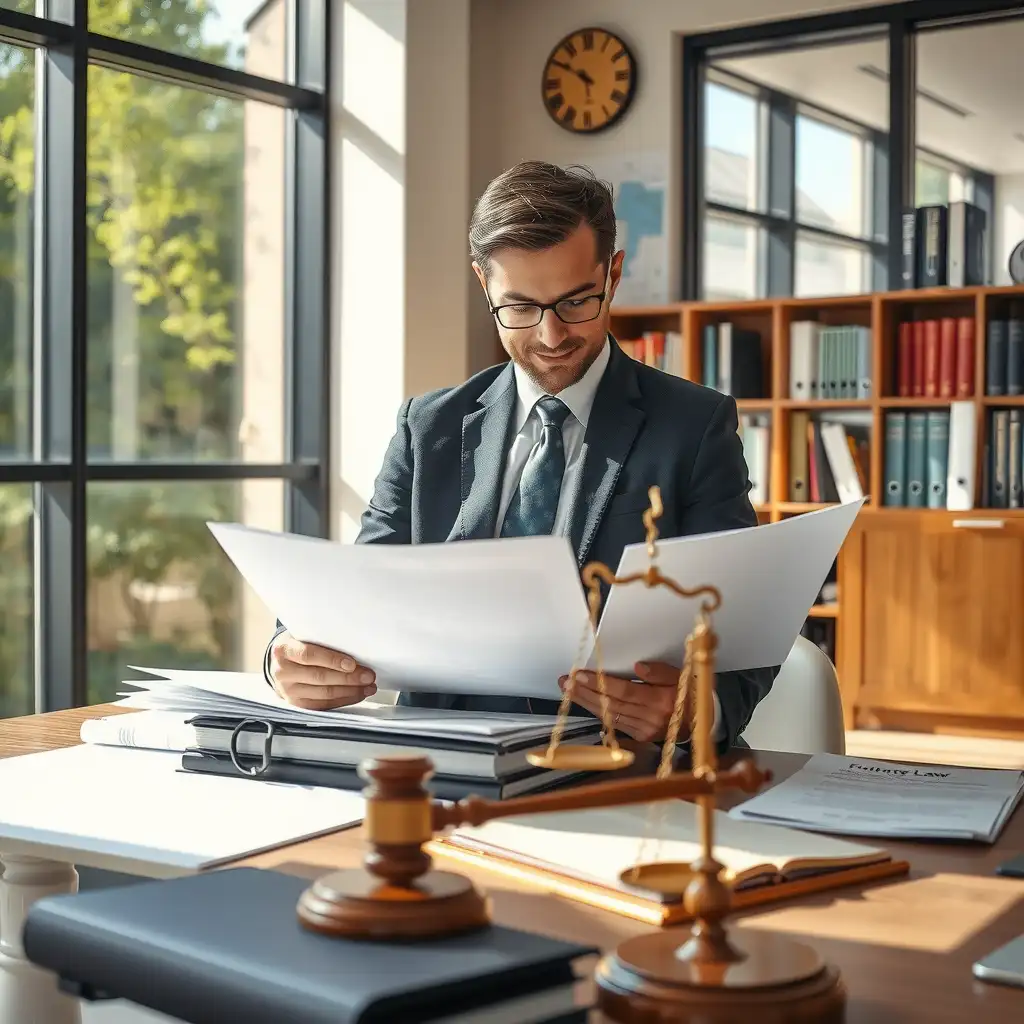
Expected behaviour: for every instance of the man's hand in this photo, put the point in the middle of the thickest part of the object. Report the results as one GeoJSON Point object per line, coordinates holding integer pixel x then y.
{"type": "Point", "coordinates": [641, 710]}
{"type": "Point", "coordinates": [317, 678]}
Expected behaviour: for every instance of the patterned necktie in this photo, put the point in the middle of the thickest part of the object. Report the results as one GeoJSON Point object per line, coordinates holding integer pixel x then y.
{"type": "Point", "coordinates": [531, 512]}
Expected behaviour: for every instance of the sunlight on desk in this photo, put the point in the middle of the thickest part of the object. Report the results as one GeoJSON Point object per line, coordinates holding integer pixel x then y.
{"type": "Point", "coordinates": [936, 914]}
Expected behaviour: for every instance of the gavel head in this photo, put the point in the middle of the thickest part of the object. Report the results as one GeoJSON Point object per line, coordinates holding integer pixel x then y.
{"type": "Point", "coordinates": [398, 817]}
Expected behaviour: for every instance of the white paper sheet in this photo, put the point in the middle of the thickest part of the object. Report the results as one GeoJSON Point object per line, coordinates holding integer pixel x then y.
{"type": "Point", "coordinates": [242, 694]}
{"type": "Point", "coordinates": [134, 809]}
{"type": "Point", "coordinates": [769, 576]}
{"type": "Point", "coordinates": [860, 796]}
{"type": "Point", "coordinates": [481, 616]}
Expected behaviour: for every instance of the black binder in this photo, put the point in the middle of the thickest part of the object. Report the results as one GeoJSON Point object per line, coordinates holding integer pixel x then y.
{"type": "Point", "coordinates": [227, 945]}
{"type": "Point", "coordinates": [337, 776]}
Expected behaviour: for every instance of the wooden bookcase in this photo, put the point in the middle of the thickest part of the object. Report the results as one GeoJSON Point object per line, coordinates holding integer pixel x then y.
{"type": "Point", "coordinates": [930, 613]}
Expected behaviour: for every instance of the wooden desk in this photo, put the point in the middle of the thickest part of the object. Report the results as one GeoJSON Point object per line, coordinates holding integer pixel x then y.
{"type": "Point", "coordinates": [905, 948]}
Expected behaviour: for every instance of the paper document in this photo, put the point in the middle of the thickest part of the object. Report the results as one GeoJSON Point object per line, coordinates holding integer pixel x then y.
{"type": "Point", "coordinates": [858, 796]}
{"type": "Point", "coordinates": [598, 845]}
{"type": "Point", "coordinates": [769, 576]}
{"type": "Point", "coordinates": [509, 616]}
{"type": "Point", "coordinates": [479, 616]}
{"type": "Point", "coordinates": [248, 695]}
{"type": "Point", "coordinates": [133, 810]}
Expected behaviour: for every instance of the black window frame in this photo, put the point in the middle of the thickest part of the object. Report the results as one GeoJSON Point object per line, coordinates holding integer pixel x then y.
{"type": "Point", "coordinates": [60, 470]}
{"type": "Point", "coordinates": [894, 153]}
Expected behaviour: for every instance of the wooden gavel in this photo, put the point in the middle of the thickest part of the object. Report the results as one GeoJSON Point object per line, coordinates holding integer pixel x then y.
{"type": "Point", "coordinates": [401, 815]}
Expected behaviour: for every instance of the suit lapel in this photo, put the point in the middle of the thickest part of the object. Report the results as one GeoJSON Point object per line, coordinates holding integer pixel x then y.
{"type": "Point", "coordinates": [614, 421]}
{"type": "Point", "coordinates": [484, 443]}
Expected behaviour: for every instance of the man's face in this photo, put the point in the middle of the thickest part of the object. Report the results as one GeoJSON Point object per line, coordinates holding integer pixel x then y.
{"type": "Point", "coordinates": [553, 353]}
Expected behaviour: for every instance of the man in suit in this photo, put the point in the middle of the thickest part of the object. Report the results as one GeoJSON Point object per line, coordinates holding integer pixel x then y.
{"type": "Point", "coordinates": [566, 438]}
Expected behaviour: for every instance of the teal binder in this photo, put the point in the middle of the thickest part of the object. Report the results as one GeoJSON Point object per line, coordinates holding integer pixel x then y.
{"type": "Point", "coordinates": [895, 459]}
{"type": "Point", "coordinates": [917, 461]}
{"type": "Point", "coordinates": [937, 457]}
{"type": "Point", "coordinates": [710, 374]}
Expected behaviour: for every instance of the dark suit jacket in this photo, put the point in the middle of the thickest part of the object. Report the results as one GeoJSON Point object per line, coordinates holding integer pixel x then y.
{"type": "Point", "coordinates": [442, 476]}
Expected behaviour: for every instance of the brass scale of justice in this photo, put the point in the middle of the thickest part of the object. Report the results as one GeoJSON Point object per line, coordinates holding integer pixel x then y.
{"type": "Point", "coordinates": [705, 973]}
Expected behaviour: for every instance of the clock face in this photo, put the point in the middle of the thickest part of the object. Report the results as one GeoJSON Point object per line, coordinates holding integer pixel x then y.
{"type": "Point", "coordinates": [1017, 264]}
{"type": "Point", "coordinates": [589, 80]}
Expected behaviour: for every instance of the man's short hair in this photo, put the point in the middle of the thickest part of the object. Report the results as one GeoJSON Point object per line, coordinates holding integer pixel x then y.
{"type": "Point", "coordinates": [536, 205]}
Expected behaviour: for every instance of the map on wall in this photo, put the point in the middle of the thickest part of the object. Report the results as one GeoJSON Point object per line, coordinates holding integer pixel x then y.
{"type": "Point", "coordinates": [639, 183]}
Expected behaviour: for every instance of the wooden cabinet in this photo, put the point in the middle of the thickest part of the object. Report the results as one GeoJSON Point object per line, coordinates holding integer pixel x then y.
{"type": "Point", "coordinates": [938, 639]}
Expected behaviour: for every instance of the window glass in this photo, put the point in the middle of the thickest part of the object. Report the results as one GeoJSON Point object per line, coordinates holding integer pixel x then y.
{"type": "Point", "coordinates": [831, 185]}
{"type": "Point", "coordinates": [825, 267]}
{"type": "Point", "coordinates": [732, 258]}
{"type": "Point", "coordinates": [731, 148]}
{"type": "Point", "coordinates": [249, 35]}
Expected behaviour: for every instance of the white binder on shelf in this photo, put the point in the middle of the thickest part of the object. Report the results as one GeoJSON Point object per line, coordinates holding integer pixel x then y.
{"type": "Point", "coordinates": [962, 465]}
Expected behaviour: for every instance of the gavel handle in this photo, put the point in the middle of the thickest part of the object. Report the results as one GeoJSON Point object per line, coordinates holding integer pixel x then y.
{"type": "Point", "coordinates": [744, 775]}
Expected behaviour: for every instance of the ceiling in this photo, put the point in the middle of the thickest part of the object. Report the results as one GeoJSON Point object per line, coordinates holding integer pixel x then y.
{"type": "Point", "coordinates": [976, 68]}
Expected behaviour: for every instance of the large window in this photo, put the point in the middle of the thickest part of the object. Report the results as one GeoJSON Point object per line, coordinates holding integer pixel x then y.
{"type": "Point", "coordinates": [794, 181]}
{"type": "Point", "coordinates": [788, 196]}
{"type": "Point", "coordinates": [162, 328]}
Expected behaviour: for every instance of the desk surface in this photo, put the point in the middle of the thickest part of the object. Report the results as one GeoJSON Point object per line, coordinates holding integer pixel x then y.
{"type": "Point", "coordinates": [905, 948]}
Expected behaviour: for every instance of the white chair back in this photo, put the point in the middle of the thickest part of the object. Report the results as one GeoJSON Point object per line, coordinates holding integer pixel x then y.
{"type": "Point", "coordinates": [803, 712]}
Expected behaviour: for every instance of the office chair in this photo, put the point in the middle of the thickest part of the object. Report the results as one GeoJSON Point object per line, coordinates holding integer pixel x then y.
{"type": "Point", "coordinates": [803, 712]}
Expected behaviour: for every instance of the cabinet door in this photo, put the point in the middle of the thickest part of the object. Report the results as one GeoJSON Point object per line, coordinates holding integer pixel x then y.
{"type": "Point", "coordinates": [943, 615]}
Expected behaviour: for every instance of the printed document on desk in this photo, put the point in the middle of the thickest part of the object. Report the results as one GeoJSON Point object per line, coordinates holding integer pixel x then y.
{"type": "Point", "coordinates": [858, 796]}
{"type": "Point", "coordinates": [479, 616]}
{"type": "Point", "coordinates": [769, 576]}
{"type": "Point", "coordinates": [135, 811]}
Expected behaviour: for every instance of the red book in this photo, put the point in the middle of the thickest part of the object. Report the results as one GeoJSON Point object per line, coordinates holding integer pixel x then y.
{"type": "Point", "coordinates": [904, 359]}
{"type": "Point", "coordinates": [965, 357]}
{"type": "Point", "coordinates": [947, 356]}
{"type": "Point", "coordinates": [917, 368]}
{"type": "Point", "coordinates": [932, 350]}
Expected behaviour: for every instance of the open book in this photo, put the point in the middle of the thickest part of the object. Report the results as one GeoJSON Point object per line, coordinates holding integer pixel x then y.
{"type": "Point", "coordinates": [582, 854]}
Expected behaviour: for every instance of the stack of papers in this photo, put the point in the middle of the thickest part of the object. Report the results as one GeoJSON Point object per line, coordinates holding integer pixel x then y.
{"type": "Point", "coordinates": [238, 695]}
{"type": "Point", "coordinates": [857, 796]}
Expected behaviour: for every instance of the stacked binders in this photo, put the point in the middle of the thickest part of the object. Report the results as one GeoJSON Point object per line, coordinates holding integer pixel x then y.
{"type": "Point", "coordinates": [234, 724]}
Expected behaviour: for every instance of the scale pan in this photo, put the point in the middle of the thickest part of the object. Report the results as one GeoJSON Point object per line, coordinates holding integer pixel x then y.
{"type": "Point", "coordinates": [597, 758]}
{"type": "Point", "coordinates": [668, 878]}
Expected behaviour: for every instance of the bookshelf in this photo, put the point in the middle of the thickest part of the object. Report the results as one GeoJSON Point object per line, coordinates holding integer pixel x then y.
{"type": "Point", "coordinates": [929, 601]}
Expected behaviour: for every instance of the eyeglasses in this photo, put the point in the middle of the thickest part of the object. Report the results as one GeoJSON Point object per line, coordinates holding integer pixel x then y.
{"type": "Point", "coordinates": [516, 316]}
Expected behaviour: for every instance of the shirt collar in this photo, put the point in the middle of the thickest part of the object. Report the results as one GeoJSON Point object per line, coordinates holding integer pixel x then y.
{"type": "Point", "coordinates": [578, 397]}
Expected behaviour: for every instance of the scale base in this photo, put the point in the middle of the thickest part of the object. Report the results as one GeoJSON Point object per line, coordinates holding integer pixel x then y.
{"type": "Point", "coordinates": [355, 904]}
{"type": "Point", "coordinates": [778, 981]}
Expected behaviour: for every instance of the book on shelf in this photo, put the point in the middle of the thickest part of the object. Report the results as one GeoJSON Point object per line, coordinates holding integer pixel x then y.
{"type": "Point", "coordinates": [1004, 467]}
{"type": "Point", "coordinates": [732, 361]}
{"type": "Point", "coordinates": [755, 433]}
{"type": "Point", "coordinates": [583, 854]}
{"type": "Point", "coordinates": [226, 946]}
{"type": "Point", "coordinates": [929, 457]}
{"type": "Point", "coordinates": [829, 363]}
{"type": "Point", "coordinates": [1004, 353]}
{"type": "Point", "coordinates": [944, 245]}
{"type": "Point", "coordinates": [828, 457]}
{"type": "Point", "coordinates": [662, 349]}
{"type": "Point", "coordinates": [935, 358]}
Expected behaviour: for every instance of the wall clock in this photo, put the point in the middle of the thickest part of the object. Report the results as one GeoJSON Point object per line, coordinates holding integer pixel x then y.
{"type": "Point", "coordinates": [589, 80]}
{"type": "Point", "coordinates": [1017, 264]}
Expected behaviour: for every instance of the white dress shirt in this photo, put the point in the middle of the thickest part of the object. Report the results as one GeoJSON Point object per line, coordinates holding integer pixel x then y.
{"type": "Point", "coordinates": [579, 399]}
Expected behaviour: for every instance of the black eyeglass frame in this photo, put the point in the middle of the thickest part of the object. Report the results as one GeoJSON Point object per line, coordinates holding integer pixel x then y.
{"type": "Point", "coordinates": [553, 306]}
